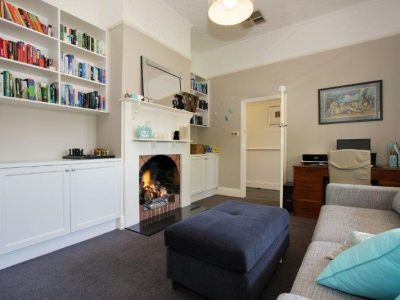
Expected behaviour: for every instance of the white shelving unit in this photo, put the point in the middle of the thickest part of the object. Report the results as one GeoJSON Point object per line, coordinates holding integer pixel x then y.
{"type": "Point", "coordinates": [51, 47]}
{"type": "Point", "coordinates": [200, 88]}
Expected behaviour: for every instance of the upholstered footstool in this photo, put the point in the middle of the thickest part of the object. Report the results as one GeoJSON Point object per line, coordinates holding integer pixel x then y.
{"type": "Point", "coordinates": [229, 251]}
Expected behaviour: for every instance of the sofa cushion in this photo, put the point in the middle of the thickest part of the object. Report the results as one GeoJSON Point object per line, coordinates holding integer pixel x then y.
{"type": "Point", "coordinates": [370, 269]}
{"type": "Point", "coordinates": [396, 203]}
{"type": "Point", "coordinates": [313, 263]}
{"type": "Point", "coordinates": [335, 223]}
{"type": "Point", "coordinates": [233, 235]}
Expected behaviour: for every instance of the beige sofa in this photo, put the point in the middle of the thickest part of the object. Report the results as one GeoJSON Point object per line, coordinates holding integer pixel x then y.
{"type": "Point", "coordinates": [348, 208]}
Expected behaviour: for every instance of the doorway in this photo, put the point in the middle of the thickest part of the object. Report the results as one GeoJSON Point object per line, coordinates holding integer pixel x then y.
{"type": "Point", "coordinates": [263, 145]}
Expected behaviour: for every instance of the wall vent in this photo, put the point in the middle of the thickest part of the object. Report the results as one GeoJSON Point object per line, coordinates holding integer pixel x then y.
{"type": "Point", "coordinates": [256, 18]}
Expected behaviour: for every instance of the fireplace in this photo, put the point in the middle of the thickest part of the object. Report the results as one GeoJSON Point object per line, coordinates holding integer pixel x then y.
{"type": "Point", "coordinates": [159, 184]}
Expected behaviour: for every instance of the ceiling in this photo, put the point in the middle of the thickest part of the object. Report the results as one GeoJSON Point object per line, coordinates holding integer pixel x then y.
{"type": "Point", "coordinates": [278, 13]}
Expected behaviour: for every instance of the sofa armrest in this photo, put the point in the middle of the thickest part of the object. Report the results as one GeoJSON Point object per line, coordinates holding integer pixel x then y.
{"type": "Point", "coordinates": [365, 196]}
{"type": "Point", "coordinates": [287, 296]}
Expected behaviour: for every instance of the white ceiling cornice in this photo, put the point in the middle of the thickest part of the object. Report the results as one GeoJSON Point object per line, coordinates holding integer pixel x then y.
{"type": "Point", "coordinates": [364, 22]}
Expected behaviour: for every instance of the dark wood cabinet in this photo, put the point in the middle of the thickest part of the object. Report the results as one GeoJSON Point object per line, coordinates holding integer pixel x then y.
{"type": "Point", "coordinates": [310, 180]}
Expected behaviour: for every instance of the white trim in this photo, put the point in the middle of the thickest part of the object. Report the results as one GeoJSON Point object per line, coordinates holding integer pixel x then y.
{"type": "Point", "coordinates": [30, 252]}
{"type": "Point", "coordinates": [243, 138]}
{"type": "Point", "coordinates": [232, 192]}
{"type": "Point", "coordinates": [127, 23]}
{"type": "Point", "coordinates": [202, 195]}
{"type": "Point", "coordinates": [263, 184]}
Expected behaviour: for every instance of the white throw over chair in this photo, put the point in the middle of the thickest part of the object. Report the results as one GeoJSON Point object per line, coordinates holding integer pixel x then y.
{"type": "Point", "coordinates": [350, 166]}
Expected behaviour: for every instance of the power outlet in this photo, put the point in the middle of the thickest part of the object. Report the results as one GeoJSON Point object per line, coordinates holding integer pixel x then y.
{"type": "Point", "coordinates": [235, 133]}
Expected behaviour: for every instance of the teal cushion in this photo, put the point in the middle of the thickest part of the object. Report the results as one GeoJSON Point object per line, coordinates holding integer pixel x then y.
{"type": "Point", "coordinates": [370, 269]}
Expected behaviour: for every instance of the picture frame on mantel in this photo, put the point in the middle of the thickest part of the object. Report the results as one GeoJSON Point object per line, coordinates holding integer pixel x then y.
{"type": "Point", "coordinates": [359, 102]}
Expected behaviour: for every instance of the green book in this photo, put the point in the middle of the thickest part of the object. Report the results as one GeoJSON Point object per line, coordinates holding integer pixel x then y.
{"type": "Point", "coordinates": [6, 83]}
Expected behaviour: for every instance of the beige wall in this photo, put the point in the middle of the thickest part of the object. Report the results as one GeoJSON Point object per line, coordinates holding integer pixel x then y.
{"type": "Point", "coordinates": [126, 46]}
{"type": "Point", "coordinates": [303, 77]}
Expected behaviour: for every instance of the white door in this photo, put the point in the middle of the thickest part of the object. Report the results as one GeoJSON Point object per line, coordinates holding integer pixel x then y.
{"type": "Point", "coordinates": [94, 194]}
{"type": "Point", "coordinates": [211, 172]}
{"type": "Point", "coordinates": [34, 205]}
{"type": "Point", "coordinates": [198, 171]}
{"type": "Point", "coordinates": [283, 126]}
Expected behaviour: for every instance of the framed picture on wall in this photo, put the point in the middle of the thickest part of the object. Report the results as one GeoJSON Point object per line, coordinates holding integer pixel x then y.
{"type": "Point", "coordinates": [274, 115]}
{"type": "Point", "coordinates": [358, 102]}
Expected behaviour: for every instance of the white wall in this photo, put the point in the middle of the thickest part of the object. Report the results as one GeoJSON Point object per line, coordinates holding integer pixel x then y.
{"type": "Point", "coordinates": [263, 146]}
{"type": "Point", "coordinates": [87, 10]}
{"type": "Point", "coordinates": [367, 21]}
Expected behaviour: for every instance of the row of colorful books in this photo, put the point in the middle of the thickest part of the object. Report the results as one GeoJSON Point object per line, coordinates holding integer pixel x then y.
{"type": "Point", "coordinates": [81, 39]}
{"type": "Point", "coordinates": [10, 86]}
{"type": "Point", "coordinates": [23, 18]}
{"type": "Point", "coordinates": [73, 66]}
{"type": "Point", "coordinates": [71, 96]}
{"type": "Point", "coordinates": [201, 87]}
{"type": "Point", "coordinates": [25, 53]}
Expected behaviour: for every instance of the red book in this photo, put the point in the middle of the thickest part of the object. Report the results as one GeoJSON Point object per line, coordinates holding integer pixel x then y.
{"type": "Point", "coordinates": [5, 48]}
{"type": "Point", "coordinates": [1, 47]}
{"type": "Point", "coordinates": [24, 54]}
{"type": "Point", "coordinates": [41, 61]}
{"type": "Point", "coordinates": [30, 54]}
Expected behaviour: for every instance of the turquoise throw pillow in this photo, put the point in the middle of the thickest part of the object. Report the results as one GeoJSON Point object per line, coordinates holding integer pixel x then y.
{"type": "Point", "coordinates": [370, 269]}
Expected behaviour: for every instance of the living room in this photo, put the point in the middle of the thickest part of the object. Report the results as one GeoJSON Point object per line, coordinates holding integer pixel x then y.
{"type": "Point", "coordinates": [83, 235]}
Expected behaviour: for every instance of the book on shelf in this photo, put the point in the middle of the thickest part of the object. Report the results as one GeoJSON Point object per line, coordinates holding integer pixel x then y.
{"type": "Point", "coordinates": [76, 67]}
{"type": "Point", "coordinates": [25, 53]}
{"type": "Point", "coordinates": [22, 17]}
{"type": "Point", "coordinates": [201, 87]}
{"type": "Point", "coordinates": [71, 96]}
{"type": "Point", "coordinates": [81, 39]}
{"type": "Point", "coordinates": [28, 88]}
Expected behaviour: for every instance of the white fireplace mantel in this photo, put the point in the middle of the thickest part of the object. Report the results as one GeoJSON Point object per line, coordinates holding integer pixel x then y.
{"type": "Point", "coordinates": [164, 121]}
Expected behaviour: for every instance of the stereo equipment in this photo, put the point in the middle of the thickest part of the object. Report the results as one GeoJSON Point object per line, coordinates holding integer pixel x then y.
{"type": "Point", "coordinates": [315, 159]}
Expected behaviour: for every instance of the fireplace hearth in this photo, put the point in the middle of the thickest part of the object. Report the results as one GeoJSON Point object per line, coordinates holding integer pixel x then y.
{"type": "Point", "coordinates": [159, 184]}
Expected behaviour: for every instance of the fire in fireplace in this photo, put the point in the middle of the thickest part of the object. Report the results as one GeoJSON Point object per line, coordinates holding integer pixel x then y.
{"type": "Point", "coordinates": [159, 184]}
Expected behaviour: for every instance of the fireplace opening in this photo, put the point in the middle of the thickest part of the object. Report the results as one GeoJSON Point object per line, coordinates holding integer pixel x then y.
{"type": "Point", "coordinates": [159, 184]}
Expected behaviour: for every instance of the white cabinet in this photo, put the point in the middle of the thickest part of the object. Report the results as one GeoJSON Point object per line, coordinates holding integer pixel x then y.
{"type": "Point", "coordinates": [198, 171]}
{"type": "Point", "coordinates": [204, 175]}
{"type": "Point", "coordinates": [211, 171]}
{"type": "Point", "coordinates": [41, 202]}
{"type": "Point", "coordinates": [94, 190]}
{"type": "Point", "coordinates": [34, 205]}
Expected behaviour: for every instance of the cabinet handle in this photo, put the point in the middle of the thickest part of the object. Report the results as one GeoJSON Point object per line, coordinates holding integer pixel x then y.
{"type": "Point", "coordinates": [67, 170]}
{"type": "Point", "coordinates": [73, 170]}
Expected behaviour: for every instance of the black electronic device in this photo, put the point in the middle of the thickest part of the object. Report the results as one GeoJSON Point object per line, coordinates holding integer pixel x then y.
{"type": "Point", "coordinates": [358, 144]}
{"type": "Point", "coordinates": [315, 159]}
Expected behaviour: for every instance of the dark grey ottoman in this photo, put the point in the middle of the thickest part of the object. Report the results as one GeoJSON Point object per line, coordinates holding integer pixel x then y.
{"type": "Point", "coordinates": [229, 251]}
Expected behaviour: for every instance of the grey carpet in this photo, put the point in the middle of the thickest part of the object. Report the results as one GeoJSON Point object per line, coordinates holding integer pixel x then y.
{"type": "Point", "coordinates": [126, 265]}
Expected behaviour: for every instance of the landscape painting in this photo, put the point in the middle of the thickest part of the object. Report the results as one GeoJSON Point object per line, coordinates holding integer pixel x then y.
{"type": "Point", "coordinates": [351, 103]}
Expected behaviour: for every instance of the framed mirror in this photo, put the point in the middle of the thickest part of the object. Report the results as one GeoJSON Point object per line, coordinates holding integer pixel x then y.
{"type": "Point", "coordinates": [159, 85]}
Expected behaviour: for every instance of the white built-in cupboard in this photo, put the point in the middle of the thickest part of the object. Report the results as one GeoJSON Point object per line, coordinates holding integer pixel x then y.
{"type": "Point", "coordinates": [52, 47]}
{"type": "Point", "coordinates": [204, 175]}
{"type": "Point", "coordinates": [40, 202]}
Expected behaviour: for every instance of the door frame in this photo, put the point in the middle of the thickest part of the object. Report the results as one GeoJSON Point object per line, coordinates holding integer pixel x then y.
{"type": "Point", "coordinates": [243, 138]}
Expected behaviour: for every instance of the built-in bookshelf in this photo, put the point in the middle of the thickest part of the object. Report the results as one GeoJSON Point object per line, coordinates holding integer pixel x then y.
{"type": "Point", "coordinates": [200, 87]}
{"type": "Point", "coordinates": [53, 51]}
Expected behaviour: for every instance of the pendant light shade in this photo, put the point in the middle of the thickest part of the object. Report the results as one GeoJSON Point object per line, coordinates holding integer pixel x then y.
{"type": "Point", "coordinates": [229, 12]}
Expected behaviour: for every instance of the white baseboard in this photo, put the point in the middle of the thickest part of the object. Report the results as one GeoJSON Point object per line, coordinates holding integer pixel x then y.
{"type": "Point", "coordinates": [232, 192]}
{"type": "Point", "coordinates": [263, 184]}
{"type": "Point", "coordinates": [202, 195]}
{"type": "Point", "coordinates": [30, 252]}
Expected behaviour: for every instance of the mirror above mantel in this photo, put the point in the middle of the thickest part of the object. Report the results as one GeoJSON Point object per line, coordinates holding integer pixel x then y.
{"type": "Point", "coordinates": [159, 84]}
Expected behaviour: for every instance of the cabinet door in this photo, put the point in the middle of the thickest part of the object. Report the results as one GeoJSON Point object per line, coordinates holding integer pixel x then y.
{"type": "Point", "coordinates": [34, 205]}
{"type": "Point", "coordinates": [197, 178]}
{"type": "Point", "coordinates": [95, 194]}
{"type": "Point", "coordinates": [211, 164]}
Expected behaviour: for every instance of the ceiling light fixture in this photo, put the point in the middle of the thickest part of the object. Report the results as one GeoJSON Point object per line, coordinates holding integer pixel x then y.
{"type": "Point", "coordinates": [229, 12]}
